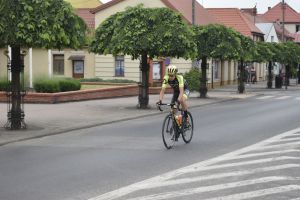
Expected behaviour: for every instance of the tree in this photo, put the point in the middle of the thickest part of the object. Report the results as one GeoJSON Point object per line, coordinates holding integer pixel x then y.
{"type": "Point", "coordinates": [214, 41]}
{"type": "Point", "coordinates": [264, 52]}
{"type": "Point", "coordinates": [246, 53]}
{"type": "Point", "coordinates": [144, 33]}
{"type": "Point", "coordinates": [39, 23]}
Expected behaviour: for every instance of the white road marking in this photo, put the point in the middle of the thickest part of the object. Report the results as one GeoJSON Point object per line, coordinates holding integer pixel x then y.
{"type": "Point", "coordinates": [259, 193]}
{"type": "Point", "coordinates": [194, 167]}
{"type": "Point", "coordinates": [192, 191]}
{"type": "Point", "coordinates": [279, 146]}
{"type": "Point", "coordinates": [289, 139]}
{"type": "Point", "coordinates": [221, 175]}
{"type": "Point", "coordinates": [283, 97]}
{"type": "Point", "coordinates": [258, 161]}
{"type": "Point", "coordinates": [267, 153]}
{"type": "Point", "coordinates": [264, 97]}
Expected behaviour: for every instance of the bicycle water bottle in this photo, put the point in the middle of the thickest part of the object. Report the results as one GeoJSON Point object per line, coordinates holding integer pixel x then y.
{"type": "Point", "coordinates": [178, 119]}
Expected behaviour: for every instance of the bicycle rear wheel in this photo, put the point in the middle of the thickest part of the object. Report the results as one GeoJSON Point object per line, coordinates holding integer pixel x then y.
{"type": "Point", "coordinates": [168, 132]}
{"type": "Point", "coordinates": [187, 129]}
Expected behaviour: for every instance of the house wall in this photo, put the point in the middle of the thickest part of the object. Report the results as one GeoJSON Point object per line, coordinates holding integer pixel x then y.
{"type": "Point", "coordinates": [3, 65]}
{"type": "Point", "coordinates": [103, 14]}
{"type": "Point", "coordinates": [290, 27]}
{"type": "Point", "coordinates": [40, 68]}
{"type": "Point", "coordinates": [105, 68]}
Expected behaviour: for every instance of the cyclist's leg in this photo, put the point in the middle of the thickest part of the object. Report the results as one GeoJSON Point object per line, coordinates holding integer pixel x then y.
{"type": "Point", "coordinates": [175, 97]}
{"type": "Point", "coordinates": [185, 105]}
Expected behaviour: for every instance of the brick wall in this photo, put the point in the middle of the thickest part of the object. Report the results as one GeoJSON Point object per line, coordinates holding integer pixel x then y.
{"type": "Point", "coordinates": [81, 95]}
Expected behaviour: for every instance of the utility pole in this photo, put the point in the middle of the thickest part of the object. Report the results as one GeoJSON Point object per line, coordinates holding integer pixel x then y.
{"type": "Point", "coordinates": [283, 19]}
{"type": "Point", "coordinates": [193, 12]}
{"type": "Point", "coordinates": [283, 40]}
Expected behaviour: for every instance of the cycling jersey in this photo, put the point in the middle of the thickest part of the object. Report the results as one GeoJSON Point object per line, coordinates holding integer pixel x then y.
{"type": "Point", "coordinates": [176, 83]}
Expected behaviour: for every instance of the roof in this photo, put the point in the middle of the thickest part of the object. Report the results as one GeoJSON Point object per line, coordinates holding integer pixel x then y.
{"type": "Point", "coordinates": [84, 3]}
{"type": "Point", "coordinates": [275, 14]}
{"type": "Point", "coordinates": [297, 37]}
{"type": "Point", "coordinates": [236, 19]}
{"type": "Point", "coordinates": [182, 6]}
{"type": "Point", "coordinates": [87, 17]}
{"type": "Point", "coordinates": [202, 16]}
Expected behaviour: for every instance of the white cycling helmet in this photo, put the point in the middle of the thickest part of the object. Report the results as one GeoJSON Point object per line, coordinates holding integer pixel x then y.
{"type": "Point", "coordinates": [172, 69]}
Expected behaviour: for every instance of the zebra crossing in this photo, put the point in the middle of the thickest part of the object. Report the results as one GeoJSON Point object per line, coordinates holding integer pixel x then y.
{"type": "Point", "coordinates": [277, 97]}
{"type": "Point", "coordinates": [266, 170]}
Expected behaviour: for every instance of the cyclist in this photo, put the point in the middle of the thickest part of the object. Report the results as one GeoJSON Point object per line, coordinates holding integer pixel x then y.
{"type": "Point", "coordinates": [179, 85]}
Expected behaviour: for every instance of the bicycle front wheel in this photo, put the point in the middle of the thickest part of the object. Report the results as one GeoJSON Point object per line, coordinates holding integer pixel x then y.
{"type": "Point", "coordinates": [168, 132]}
{"type": "Point", "coordinates": [188, 129]}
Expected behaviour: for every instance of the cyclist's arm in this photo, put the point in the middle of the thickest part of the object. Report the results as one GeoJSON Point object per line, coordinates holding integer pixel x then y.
{"type": "Point", "coordinates": [163, 88]}
{"type": "Point", "coordinates": [181, 86]}
{"type": "Point", "coordinates": [162, 93]}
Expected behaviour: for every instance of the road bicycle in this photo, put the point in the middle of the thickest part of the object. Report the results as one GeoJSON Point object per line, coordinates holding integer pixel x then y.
{"type": "Point", "coordinates": [175, 125]}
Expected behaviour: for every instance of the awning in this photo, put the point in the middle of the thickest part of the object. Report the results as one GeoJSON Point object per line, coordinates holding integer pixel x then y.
{"type": "Point", "coordinates": [76, 57]}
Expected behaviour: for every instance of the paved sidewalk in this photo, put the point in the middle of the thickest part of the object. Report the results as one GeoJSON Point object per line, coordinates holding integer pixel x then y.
{"type": "Point", "coordinates": [50, 119]}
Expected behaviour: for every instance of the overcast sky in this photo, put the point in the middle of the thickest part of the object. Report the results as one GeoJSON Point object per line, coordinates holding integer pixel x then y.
{"type": "Point", "coordinates": [262, 5]}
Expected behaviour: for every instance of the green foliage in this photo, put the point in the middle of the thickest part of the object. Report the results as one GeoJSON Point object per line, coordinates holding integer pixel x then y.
{"type": "Point", "coordinates": [216, 41]}
{"type": "Point", "coordinates": [4, 85]}
{"type": "Point", "coordinates": [46, 86]}
{"type": "Point", "coordinates": [107, 81]}
{"type": "Point", "coordinates": [138, 31]}
{"type": "Point", "coordinates": [56, 85]}
{"type": "Point", "coordinates": [192, 78]}
{"type": "Point", "coordinates": [40, 23]}
{"type": "Point", "coordinates": [69, 85]}
{"type": "Point", "coordinates": [263, 52]}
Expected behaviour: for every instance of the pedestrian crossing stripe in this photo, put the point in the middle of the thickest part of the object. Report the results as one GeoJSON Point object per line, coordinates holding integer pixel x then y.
{"type": "Point", "coordinates": [265, 97]}
{"type": "Point", "coordinates": [173, 177]}
{"type": "Point", "coordinates": [284, 97]}
{"type": "Point", "coordinates": [278, 98]}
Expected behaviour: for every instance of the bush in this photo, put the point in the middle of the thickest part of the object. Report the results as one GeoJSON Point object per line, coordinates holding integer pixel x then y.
{"type": "Point", "coordinates": [4, 85]}
{"type": "Point", "coordinates": [193, 79]}
{"type": "Point", "coordinates": [69, 85]}
{"type": "Point", "coordinates": [56, 85]}
{"type": "Point", "coordinates": [46, 86]}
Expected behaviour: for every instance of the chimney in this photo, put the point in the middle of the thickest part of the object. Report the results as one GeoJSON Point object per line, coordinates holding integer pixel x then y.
{"type": "Point", "coordinates": [269, 8]}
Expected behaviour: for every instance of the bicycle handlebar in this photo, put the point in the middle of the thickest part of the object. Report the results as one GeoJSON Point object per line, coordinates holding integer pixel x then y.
{"type": "Point", "coordinates": [166, 104]}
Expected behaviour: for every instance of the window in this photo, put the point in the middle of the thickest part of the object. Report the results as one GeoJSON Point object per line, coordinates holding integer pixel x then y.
{"type": "Point", "coordinates": [272, 38]}
{"type": "Point", "coordinates": [297, 28]}
{"type": "Point", "coordinates": [119, 66]}
{"type": "Point", "coordinates": [58, 65]}
{"type": "Point", "coordinates": [156, 70]}
{"type": "Point", "coordinates": [78, 68]}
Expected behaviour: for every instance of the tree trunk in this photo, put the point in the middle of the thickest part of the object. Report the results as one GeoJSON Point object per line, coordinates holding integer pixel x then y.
{"type": "Point", "coordinates": [241, 86]}
{"type": "Point", "coordinates": [144, 86]}
{"type": "Point", "coordinates": [298, 73]}
{"type": "Point", "coordinates": [269, 84]}
{"type": "Point", "coordinates": [16, 68]}
{"type": "Point", "coordinates": [203, 86]}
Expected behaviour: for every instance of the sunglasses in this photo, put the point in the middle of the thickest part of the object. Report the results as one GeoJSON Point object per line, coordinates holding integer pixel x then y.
{"type": "Point", "coordinates": [171, 75]}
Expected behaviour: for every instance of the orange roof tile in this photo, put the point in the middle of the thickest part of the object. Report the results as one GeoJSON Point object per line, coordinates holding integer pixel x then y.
{"type": "Point", "coordinates": [297, 37]}
{"type": "Point", "coordinates": [275, 14]}
{"type": "Point", "coordinates": [202, 16]}
{"type": "Point", "coordinates": [234, 18]}
{"type": "Point", "coordinates": [87, 17]}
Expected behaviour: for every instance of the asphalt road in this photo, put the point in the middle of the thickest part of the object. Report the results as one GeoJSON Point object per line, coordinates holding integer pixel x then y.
{"type": "Point", "coordinates": [86, 164]}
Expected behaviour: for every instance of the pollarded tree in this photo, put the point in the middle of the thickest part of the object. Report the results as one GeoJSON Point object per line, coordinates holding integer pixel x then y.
{"type": "Point", "coordinates": [246, 53]}
{"type": "Point", "coordinates": [264, 52]}
{"type": "Point", "coordinates": [36, 23]}
{"type": "Point", "coordinates": [214, 41]}
{"type": "Point", "coordinates": [144, 33]}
